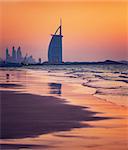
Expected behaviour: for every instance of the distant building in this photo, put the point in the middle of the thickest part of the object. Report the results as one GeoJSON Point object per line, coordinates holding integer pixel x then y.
{"type": "Point", "coordinates": [55, 47]}
{"type": "Point", "coordinates": [1, 60]}
{"type": "Point", "coordinates": [16, 56]}
{"type": "Point", "coordinates": [39, 61]}
{"type": "Point", "coordinates": [13, 55]}
{"type": "Point", "coordinates": [7, 55]}
{"type": "Point", "coordinates": [29, 60]}
{"type": "Point", "coordinates": [19, 55]}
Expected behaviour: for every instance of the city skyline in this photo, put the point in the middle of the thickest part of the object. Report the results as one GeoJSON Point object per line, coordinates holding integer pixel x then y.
{"type": "Point", "coordinates": [93, 31]}
{"type": "Point", "coordinates": [15, 57]}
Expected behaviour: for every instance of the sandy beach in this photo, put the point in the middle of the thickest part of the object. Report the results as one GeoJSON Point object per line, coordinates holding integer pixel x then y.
{"type": "Point", "coordinates": [53, 110]}
{"type": "Point", "coordinates": [27, 115]}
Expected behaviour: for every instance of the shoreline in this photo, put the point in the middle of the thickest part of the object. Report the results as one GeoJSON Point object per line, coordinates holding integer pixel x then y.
{"type": "Point", "coordinates": [105, 62]}
{"type": "Point", "coordinates": [104, 132]}
{"type": "Point", "coordinates": [29, 115]}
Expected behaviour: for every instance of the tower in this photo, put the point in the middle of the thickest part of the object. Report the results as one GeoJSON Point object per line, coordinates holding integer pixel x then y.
{"type": "Point", "coordinates": [19, 55]}
{"type": "Point", "coordinates": [55, 47]}
{"type": "Point", "coordinates": [7, 55]}
{"type": "Point", "coordinates": [13, 55]}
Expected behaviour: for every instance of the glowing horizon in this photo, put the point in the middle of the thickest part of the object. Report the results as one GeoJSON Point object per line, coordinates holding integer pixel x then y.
{"type": "Point", "coordinates": [93, 31]}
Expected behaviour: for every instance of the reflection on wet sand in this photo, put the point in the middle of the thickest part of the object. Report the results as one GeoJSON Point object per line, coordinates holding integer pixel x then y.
{"type": "Point", "coordinates": [10, 85]}
{"type": "Point", "coordinates": [7, 77]}
{"type": "Point", "coordinates": [55, 88]}
{"type": "Point", "coordinates": [26, 115]}
{"type": "Point", "coordinates": [22, 146]}
{"type": "Point", "coordinates": [80, 133]}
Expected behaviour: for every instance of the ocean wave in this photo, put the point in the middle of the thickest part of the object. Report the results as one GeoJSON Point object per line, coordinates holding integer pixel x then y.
{"type": "Point", "coordinates": [123, 76]}
{"type": "Point", "coordinates": [105, 87]}
{"type": "Point", "coordinates": [115, 91]}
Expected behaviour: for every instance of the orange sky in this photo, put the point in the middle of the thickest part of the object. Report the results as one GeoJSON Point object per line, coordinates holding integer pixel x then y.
{"type": "Point", "coordinates": [93, 30]}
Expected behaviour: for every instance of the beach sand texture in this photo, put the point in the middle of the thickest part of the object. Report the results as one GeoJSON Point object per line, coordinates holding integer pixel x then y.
{"type": "Point", "coordinates": [41, 110]}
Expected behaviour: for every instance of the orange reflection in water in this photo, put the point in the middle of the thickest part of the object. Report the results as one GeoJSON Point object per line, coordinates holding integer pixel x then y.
{"type": "Point", "coordinates": [107, 134]}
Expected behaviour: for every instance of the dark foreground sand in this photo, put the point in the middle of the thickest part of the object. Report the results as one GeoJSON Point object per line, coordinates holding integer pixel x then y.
{"type": "Point", "coordinates": [23, 146]}
{"type": "Point", "coordinates": [28, 115]}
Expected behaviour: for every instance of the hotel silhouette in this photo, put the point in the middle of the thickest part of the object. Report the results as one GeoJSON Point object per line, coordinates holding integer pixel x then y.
{"type": "Point", "coordinates": [55, 47]}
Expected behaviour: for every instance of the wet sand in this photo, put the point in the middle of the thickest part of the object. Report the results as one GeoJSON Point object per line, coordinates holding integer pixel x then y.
{"type": "Point", "coordinates": [78, 118]}
{"type": "Point", "coordinates": [28, 115]}
{"type": "Point", "coordinates": [22, 146]}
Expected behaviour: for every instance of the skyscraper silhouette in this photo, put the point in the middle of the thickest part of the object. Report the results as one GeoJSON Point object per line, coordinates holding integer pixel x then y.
{"type": "Point", "coordinates": [19, 55]}
{"type": "Point", "coordinates": [16, 56]}
{"type": "Point", "coordinates": [55, 47]}
{"type": "Point", "coordinates": [7, 55]}
{"type": "Point", "coordinates": [13, 54]}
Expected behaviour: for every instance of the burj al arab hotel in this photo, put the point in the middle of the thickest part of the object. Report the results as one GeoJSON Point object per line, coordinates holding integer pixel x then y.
{"type": "Point", "coordinates": [55, 47]}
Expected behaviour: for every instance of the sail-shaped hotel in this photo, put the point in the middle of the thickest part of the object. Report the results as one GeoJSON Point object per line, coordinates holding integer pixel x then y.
{"type": "Point", "coordinates": [55, 47]}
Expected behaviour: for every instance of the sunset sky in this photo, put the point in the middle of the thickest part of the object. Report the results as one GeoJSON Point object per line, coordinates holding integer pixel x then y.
{"type": "Point", "coordinates": [93, 30]}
